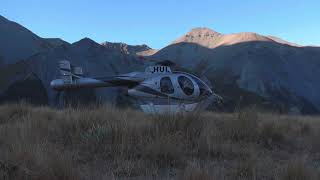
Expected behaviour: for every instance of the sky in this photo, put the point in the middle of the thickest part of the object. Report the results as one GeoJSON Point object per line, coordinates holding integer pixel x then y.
{"type": "Point", "coordinates": [158, 22]}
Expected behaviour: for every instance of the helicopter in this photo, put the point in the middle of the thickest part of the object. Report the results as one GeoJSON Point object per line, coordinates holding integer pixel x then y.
{"type": "Point", "coordinates": [158, 89]}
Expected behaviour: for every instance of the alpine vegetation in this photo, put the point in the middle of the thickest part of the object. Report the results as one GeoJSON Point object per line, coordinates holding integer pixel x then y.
{"type": "Point", "coordinates": [103, 142]}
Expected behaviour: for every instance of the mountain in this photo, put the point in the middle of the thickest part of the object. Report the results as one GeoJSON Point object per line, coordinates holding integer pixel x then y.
{"type": "Point", "coordinates": [212, 39]}
{"type": "Point", "coordinates": [31, 62]}
{"type": "Point", "coordinates": [36, 72]}
{"type": "Point", "coordinates": [55, 42]}
{"type": "Point", "coordinates": [261, 70]}
{"type": "Point", "coordinates": [141, 50]}
{"type": "Point", "coordinates": [18, 43]}
{"type": "Point", "coordinates": [201, 36]}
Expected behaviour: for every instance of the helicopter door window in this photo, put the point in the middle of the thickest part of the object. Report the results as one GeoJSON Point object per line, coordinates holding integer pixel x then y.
{"type": "Point", "coordinates": [186, 85]}
{"type": "Point", "coordinates": [166, 85]}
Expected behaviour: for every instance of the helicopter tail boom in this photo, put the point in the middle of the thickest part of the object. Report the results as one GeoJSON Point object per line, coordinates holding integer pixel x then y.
{"type": "Point", "coordinates": [71, 77]}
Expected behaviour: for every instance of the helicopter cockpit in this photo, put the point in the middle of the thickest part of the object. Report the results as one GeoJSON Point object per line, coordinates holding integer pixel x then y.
{"type": "Point", "coordinates": [181, 85]}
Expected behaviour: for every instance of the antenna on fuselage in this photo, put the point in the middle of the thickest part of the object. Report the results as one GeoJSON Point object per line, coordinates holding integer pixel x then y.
{"type": "Point", "coordinates": [166, 63]}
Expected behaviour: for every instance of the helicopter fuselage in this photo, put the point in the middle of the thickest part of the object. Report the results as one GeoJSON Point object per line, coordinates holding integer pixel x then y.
{"type": "Point", "coordinates": [157, 86]}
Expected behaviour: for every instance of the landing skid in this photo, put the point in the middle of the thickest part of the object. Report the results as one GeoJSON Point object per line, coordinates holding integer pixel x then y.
{"type": "Point", "coordinates": [171, 109]}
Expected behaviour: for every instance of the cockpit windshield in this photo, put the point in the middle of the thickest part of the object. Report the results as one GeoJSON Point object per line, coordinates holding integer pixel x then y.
{"type": "Point", "coordinates": [186, 85]}
{"type": "Point", "coordinates": [204, 90]}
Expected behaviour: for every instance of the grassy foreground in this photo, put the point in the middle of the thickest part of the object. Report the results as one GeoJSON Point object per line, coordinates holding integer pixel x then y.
{"type": "Point", "coordinates": [107, 143]}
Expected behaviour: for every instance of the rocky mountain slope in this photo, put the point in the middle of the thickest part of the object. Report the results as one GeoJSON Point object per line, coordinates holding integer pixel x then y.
{"type": "Point", "coordinates": [211, 39]}
{"type": "Point", "coordinates": [141, 50]}
{"type": "Point", "coordinates": [258, 68]}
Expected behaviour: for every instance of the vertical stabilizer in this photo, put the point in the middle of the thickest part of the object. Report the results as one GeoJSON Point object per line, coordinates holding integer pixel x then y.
{"type": "Point", "coordinates": [65, 71]}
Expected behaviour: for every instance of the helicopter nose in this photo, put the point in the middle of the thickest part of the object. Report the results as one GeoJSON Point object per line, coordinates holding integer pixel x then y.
{"type": "Point", "coordinates": [208, 92]}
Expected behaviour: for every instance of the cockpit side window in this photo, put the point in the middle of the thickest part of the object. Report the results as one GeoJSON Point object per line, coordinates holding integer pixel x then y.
{"type": "Point", "coordinates": [186, 85]}
{"type": "Point", "coordinates": [166, 85]}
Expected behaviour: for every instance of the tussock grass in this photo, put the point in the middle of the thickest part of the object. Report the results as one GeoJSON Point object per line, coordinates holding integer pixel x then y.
{"type": "Point", "coordinates": [104, 142]}
{"type": "Point", "coordinates": [299, 169]}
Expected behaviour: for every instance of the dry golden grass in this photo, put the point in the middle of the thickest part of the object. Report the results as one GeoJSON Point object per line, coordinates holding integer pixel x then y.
{"type": "Point", "coordinates": [108, 143]}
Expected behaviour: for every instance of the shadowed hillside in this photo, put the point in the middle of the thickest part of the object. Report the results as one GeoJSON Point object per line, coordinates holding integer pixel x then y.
{"type": "Point", "coordinates": [17, 42]}
{"type": "Point", "coordinates": [108, 143]}
{"type": "Point", "coordinates": [280, 74]}
{"type": "Point", "coordinates": [55, 42]}
{"type": "Point", "coordinates": [95, 59]}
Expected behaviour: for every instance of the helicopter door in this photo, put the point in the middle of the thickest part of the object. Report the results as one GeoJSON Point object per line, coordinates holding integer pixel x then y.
{"type": "Point", "coordinates": [166, 85]}
{"type": "Point", "coordinates": [186, 85]}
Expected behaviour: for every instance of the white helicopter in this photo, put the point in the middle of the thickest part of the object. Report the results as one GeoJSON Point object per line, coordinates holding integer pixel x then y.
{"type": "Point", "coordinates": [158, 89]}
